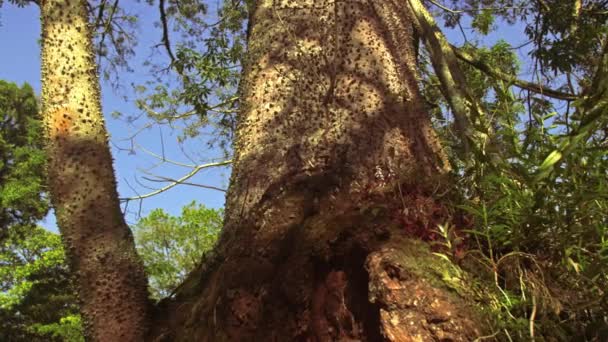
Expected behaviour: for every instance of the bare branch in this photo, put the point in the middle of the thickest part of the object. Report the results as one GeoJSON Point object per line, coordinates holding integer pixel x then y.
{"type": "Point", "coordinates": [163, 158]}
{"type": "Point", "coordinates": [165, 39]}
{"type": "Point", "coordinates": [168, 179]}
{"type": "Point", "coordinates": [182, 180]}
{"type": "Point", "coordinates": [470, 10]}
{"type": "Point", "coordinates": [445, 8]}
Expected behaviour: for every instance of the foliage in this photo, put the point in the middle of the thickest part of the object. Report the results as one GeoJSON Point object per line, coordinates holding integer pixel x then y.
{"type": "Point", "coordinates": [69, 329]}
{"type": "Point", "coordinates": [205, 56]}
{"type": "Point", "coordinates": [37, 298]}
{"type": "Point", "coordinates": [34, 282]}
{"type": "Point", "coordinates": [21, 158]}
{"type": "Point", "coordinates": [561, 219]}
{"type": "Point", "coordinates": [539, 203]}
{"type": "Point", "coordinates": [483, 21]}
{"type": "Point", "coordinates": [20, 3]}
{"type": "Point", "coordinates": [172, 246]}
{"type": "Point", "coordinates": [568, 36]}
{"type": "Point", "coordinates": [114, 37]}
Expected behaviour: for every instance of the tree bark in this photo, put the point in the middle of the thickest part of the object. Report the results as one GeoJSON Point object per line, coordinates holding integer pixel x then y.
{"type": "Point", "coordinates": [99, 244]}
{"type": "Point", "coordinates": [335, 174]}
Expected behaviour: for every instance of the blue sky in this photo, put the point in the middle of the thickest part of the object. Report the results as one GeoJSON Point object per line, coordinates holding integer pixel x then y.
{"type": "Point", "coordinates": [20, 62]}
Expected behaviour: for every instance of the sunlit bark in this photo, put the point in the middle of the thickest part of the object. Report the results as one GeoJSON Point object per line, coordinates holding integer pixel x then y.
{"type": "Point", "coordinates": [333, 145]}
{"type": "Point", "coordinates": [112, 283]}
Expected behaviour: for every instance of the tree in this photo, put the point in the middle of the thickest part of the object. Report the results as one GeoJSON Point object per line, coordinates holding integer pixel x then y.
{"type": "Point", "coordinates": [36, 291]}
{"type": "Point", "coordinates": [171, 247]}
{"type": "Point", "coordinates": [337, 175]}
{"type": "Point", "coordinates": [333, 143]}
{"type": "Point", "coordinates": [38, 299]}
{"type": "Point", "coordinates": [110, 276]}
{"type": "Point", "coordinates": [332, 105]}
{"type": "Point", "coordinates": [21, 159]}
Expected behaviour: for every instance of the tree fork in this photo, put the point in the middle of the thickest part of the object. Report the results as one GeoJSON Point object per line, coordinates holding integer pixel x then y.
{"type": "Point", "coordinates": [110, 276]}
{"type": "Point", "coordinates": [331, 125]}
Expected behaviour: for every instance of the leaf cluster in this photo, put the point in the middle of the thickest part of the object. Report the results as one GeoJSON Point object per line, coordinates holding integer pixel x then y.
{"type": "Point", "coordinates": [37, 297]}
{"type": "Point", "coordinates": [205, 59]}
{"type": "Point", "coordinates": [171, 246]}
{"type": "Point", "coordinates": [36, 292]}
{"type": "Point", "coordinates": [21, 158]}
{"type": "Point", "coordinates": [539, 201]}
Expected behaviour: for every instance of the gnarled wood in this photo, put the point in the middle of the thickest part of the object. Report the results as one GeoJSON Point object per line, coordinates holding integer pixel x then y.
{"type": "Point", "coordinates": [331, 125]}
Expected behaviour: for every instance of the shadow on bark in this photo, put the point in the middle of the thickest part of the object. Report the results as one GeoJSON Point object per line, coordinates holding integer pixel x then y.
{"type": "Point", "coordinates": [310, 250]}
{"type": "Point", "coordinates": [99, 244]}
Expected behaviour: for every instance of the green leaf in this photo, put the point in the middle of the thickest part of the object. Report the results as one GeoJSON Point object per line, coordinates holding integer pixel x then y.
{"type": "Point", "coordinates": [483, 21]}
{"type": "Point", "coordinates": [443, 256]}
{"type": "Point", "coordinates": [171, 246]}
{"type": "Point", "coordinates": [551, 159]}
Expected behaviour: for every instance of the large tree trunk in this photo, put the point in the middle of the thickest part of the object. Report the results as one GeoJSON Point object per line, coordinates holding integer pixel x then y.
{"type": "Point", "coordinates": [334, 149]}
{"type": "Point", "coordinates": [111, 279]}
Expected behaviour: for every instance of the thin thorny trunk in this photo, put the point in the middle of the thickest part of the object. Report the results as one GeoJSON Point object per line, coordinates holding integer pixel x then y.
{"type": "Point", "coordinates": [99, 244]}
{"type": "Point", "coordinates": [334, 147]}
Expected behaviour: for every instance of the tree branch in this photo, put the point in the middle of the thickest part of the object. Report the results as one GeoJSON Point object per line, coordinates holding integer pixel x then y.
{"type": "Point", "coordinates": [165, 39]}
{"type": "Point", "coordinates": [453, 84]}
{"type": "Point", "coordinates": [470, 10]}
{"type": "Point", "coordinates": [178, 181]}
{"type": "Point", "coordinates": [533, 87]}
{"type": "Point", "coordinates": [169, 117]}
{"type": "Point", "coordinates": [168, 179]}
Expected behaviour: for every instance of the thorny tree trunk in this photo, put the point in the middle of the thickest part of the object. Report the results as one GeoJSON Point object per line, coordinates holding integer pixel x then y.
{"type": "Point", "coordinates": [111, 279]}
{"type": "Point", "coordinates": [333, 144]}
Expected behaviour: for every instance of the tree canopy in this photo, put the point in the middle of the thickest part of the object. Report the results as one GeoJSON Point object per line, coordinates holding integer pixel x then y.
{"type": "Point", "coordinates": [21, 159]}
{"type": "Point", "coordinates": [172, 246]}
{"type": "Point", "coordinates": [37, 298]}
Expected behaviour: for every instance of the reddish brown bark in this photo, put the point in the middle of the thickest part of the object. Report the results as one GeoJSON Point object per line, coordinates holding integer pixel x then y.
{"type": "Point", "coordinates": [332, 137]}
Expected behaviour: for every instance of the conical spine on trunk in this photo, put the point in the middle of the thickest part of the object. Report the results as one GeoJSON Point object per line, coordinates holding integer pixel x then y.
{"type": "Point", "coordinates": [99, 244]}
{"type": "Point", "coordinates": [331, 124]}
